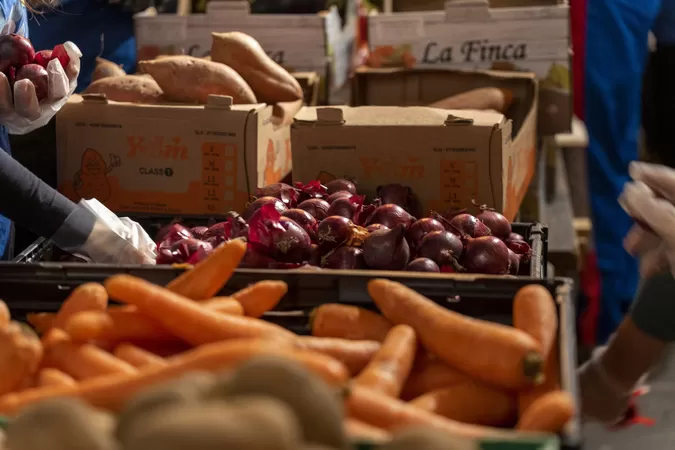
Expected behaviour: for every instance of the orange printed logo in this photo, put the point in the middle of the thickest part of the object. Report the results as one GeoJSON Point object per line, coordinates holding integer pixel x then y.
{"type": "Point", "coordinates": [271, 174]}
{"type": "Point", "coordinates": [409, 168]}
{"type": "Point", "coordinates": [91, 181]}
{"type": "Point", "coordinates": [157, 147]}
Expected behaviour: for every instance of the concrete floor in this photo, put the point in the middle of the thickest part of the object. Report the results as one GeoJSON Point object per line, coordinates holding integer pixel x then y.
{"type": "Point", "coordinates": [657, 404]}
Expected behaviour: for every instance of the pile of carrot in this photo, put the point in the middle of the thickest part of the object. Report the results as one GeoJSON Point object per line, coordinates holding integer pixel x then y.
{"type": "Point", "coordinates": [415, 364]}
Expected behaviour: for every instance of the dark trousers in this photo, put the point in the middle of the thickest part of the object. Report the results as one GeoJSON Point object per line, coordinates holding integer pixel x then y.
{"type": "Point", "coordinates": [658, 105]}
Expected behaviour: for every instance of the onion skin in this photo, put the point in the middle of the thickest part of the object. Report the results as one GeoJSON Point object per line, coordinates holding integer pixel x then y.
{"type": "Point", "coordinates": [442, 247]}
{"type": "Point", "coordinates": [340, 185]}
{"type": "Point", "coordinates": [313, 189]}
{"type": "Point", "coordinates": [514, 263]}
{"type": "Point", "coordinates": [259, 202]}
{"type": "Point", "coordinates": [470, 225]}
{"type": "Point", "coordinates": [520, 248]}
{"type": "Point", "coordinates": [497, 223]}
{"type": "Point", "coordinates": [335, 231]}
{"type": "Point", "coordinates": [199, 232]}
{"type": "Point", "coordinates": [376, 226]}
{"type": "Point", "coordinates": [421, 228]}
{"type": "Point", "coordinates": [304, 219]}
{"type": "Point", "coordinates": [342, 206]}
{"type": "Point", "coordinates": [316, 207]}
{"type": "Point", "coordinates": [344, 258]}
{"type": "Point", "coordinates": [516, 237]}
{"type": "Point", "coordinates": [423, 265]}
{"type": "Point", "coordinates": [387, 249]}
{"type": "Point", "coordinates": [487, 255]}
{"type": "Point", "coordinates": [339, 194]}
{"type": "Point", "coordinates": [172, 233]}
{"type": "Point", "coordinates": [284, 192]}
{"type": "Point", "coordinates": [391, 215]}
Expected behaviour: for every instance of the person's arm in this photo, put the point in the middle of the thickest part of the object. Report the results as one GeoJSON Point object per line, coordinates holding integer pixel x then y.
{"type": "Point", "coordinates": [33, 204]}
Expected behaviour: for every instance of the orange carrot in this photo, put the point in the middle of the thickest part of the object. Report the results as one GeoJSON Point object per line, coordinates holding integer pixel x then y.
{"type": "Point", "coordinates": [534, 312]}
{"type": "Point", "coordinates": [49, 377]}
{"type": "Point", "coordinates": [137, 356]}
{"type": "Point", "coordinates": [261, 297]}
{"type": "Point", "coordinates": [116, 326]}
{"type": "Point", "coordinates": [81, 361]}
{"type": "Point", "coordinates": [113, 391]}
{"type": "Point", "coordinates": [224, 305]}
{"type": "Point", "coordinates": [20, 357]}
{"type": "Point", "coordinates": [354, 354]}
{"type": "Point", "coordinates": [348, 322]}
{"type": "Point", "coordinates": [548, 413]}
{"type": "Point", "coordinates": [551, 381]}
{"type": "Point", "coordinates": [471, 402]}
{"type": "Point", "coordinates": [41, 322]}
{"type": "Point", "coordinates": [5, 316]}
{"type": "Point", "coordinates": [391, 414]}
{"type": "Point", "coordinates": [429, 375]}
{"type": "Point", "coordinates": [494, 353]}
{"type": "Point", "coordinates": [391, 365]}
{"type": "Point", "coordinates": [86, 297]}
{"type": "Point", "coordinates": [209, 276]}
{"type": "Point", "coordinates": [185, 318]}
{"type": "Point", "coordinates": [357, 430]}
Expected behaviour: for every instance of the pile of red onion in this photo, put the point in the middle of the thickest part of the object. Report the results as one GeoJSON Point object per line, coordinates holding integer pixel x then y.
{"type": "Point", "coordinates": [331, 226]}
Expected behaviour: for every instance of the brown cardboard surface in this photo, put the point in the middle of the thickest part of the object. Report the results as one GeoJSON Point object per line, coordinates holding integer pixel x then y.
{"type": "Point", "coordinates": [448, 157]}
{"type": "Point", "coordinates": [309, 82]}
{"type": "Point", "coordinates": [171, 159]}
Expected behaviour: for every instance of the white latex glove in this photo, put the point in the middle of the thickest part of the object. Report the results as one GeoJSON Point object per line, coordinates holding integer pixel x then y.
{"type": "Point", "coordinates": [20, 110]}
{"type": "Point", "coordinates": [650, 199]}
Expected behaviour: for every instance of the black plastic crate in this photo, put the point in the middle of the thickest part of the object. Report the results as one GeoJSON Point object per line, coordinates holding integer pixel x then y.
{"type": "Point", "coordinates": [43, 287]}
{"type": "Point", "coordinates": [42, 250]}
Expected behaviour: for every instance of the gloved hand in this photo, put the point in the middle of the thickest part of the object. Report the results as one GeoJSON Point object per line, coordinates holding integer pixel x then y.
{"type": "Point", "coordinates": [20, 110]}
{"type": "Point", "coordinates": [650, 199]}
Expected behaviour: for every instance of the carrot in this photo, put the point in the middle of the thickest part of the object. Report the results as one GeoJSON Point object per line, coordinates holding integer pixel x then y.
{"type": "Point", "coordinates": [86, 297]}
{"type": "Point", "coordinates": [49, 377]}
{"type": "Point", "coordinates": [534, 312]}
{"type": "Point", "coordinates": [224, 305]}
{"type": "Point", "coordinates": [137, 356]}
{"type": "Point", "coordinates": [348, 322]}
{"type": "Point", "coordinates": [5, 316]}
{"type": "Point", "coordinates": [185, 318]}
{"type": "Point", "coordinates": [209, 276]}
{"type": "Point", "coordinates": [391, 414]}
{"type": "Point", "coordinates": [41, 322]}
{"type": "Point", "coordinates": [390, 367]}
{"type": "Point", "coordinates": [113, 391]}
{"type": "Point", "coordinates": [471, 402]}
{"type": "Point", "coordinates": [20, 357]}
{"type": "Point", "coordinates": [429, 375]}
{"type": "Point", "coordinates": [116, 326]}
{"type": "Point", "coordinates": [261, 297]}
{"type": "Point", "coordinates": [357, 430]}
{"type": "Point", "coordinates": [354, 354]}
{"type": "Point", "coordinates": [494, 353]}
{"type": "Point", "coordinates": [548, 413]}
{"type": "Point", "coordinates": [551, 382]}
{"type": "Point", "coordinates": [81, 361]}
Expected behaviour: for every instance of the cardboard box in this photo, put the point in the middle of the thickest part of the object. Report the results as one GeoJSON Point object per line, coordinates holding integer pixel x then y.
{"type": "Point", "coordinates": [315, 43]}
{"type": "Point", "coordinates": [467, 34]}
{"type": "Point", "coordinates": [309, 82]}
{"type": "Point", "coordinates": [170, 159]}
{"type": "Point", "coordinates": [431, 5]}
{"type": "Point", "coordinates": [448, 157]}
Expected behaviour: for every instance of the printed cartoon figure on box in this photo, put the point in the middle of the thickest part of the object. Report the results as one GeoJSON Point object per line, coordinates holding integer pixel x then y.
{"type": "Point", "coordinates": [91, 181]}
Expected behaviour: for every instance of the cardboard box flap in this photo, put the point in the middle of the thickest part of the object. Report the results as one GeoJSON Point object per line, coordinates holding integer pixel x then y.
{"type": "Point", "coordinates": [396, 116]}
{"type": "Point", "coordinates": [214, 102]}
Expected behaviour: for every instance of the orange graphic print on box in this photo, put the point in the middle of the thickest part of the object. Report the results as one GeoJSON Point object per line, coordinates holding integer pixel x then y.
{"type": "Point", "coordinates": [272, 174]}
{"type": "Point", "coordinates": [91, 181]}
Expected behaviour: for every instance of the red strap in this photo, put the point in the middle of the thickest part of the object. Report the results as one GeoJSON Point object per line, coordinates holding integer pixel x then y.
{"type": "Point", "coordinates": [632, 416]}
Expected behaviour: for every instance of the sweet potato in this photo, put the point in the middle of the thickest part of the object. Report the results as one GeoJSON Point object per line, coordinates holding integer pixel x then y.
{"type": "Point", "coordinates": [271, 82]}
{"type": "Point", "coordinates": [127, 88]}
{"type": "Point", "coordinates": [191, 80]}
{"type": "Point", "coordinates": [106, 69]}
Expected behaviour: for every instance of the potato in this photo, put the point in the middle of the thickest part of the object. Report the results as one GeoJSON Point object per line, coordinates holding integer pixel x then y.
{"type": "Point", "coordinates": [255, 423]}
{"type": "Point", "coordinates": [191, 80]}
{"type": "Point", "coordinates": [314, 403]}
{"type": "Point", "coordinates": [59, 424]}
{"type": "Point", "coordinates": [128, 88]}
{"type": "Point", "coordinates": [106, 69]}
{"type": "Point", "coordinates": [270, 82]}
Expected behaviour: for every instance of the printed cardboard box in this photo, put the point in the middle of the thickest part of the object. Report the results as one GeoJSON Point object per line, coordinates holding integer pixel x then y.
{"type": "Point", "coordinates": [447, 157]}
{"type": "Point", "coordinates": [467, 34]}
{"type": "Point", "coordinates": [170, 159]}
{"type": "Point", "coordinates": [302, 43]}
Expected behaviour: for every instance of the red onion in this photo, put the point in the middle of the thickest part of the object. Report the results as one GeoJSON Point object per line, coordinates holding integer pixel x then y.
{"type": "Point", "coordinates": [183, 250]}
{"type": "Point", "coordinates": [515, 237]}
{"type": "Point", "coordinates": [398, 194]}
{"type": "Point", "coordinates": [420, 228]}
{"type": "Point", "coordinates": [487, 255]}
{"type": "Point", "coordinates": [199, 232]}
{"type": "Point", "coordinates": [442, 247]}
{"type": "Point", "coordinates": [514, 263]}
{"type": "Point", "coordinates": [313, 189]}
{"type": "Point", "coordinates": [520, 248]}
{"type": "Point", "coordinates": [316, 207]}
{"type": "Point", "coordinates": [339, 194]}
{"type": "Point", "coordinates": [376, 226]}
{"type": "Point", "coordinates": [235, 226]}
{"type": "Point", "coordinates": [340, 185]}
{"type": "Point", "coordinates": [344, 258]}
{"type": "Point", "coordinates": [259, 202]}
{"type": "Point", "coordinates": [284, 192]}
{"type": "Point", "coordinates": [497, 223]}
{"type": "Point", "coordinates": [387, 249]}
{"type": "Point", "coordinates": [172, 233]}
{"type": "Point", "coordinates": [391, 215]}
{"type": "Point", "coordinates": [469, 225]}
{"type": "Point", "coordinates": [314, 258]}
{"type": "Point", "coordinates": [422, 265]}
{"type": "Point", "coordinates": [335, 231]}
{"type": "Point", "coordinates": [278, 237]}
{"type": "Point", "coordinates": [255, 260]}
{"type": "Point", "coordinates": [304, 219]}
{"type": "Point", "coordinates": [342, 206]}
